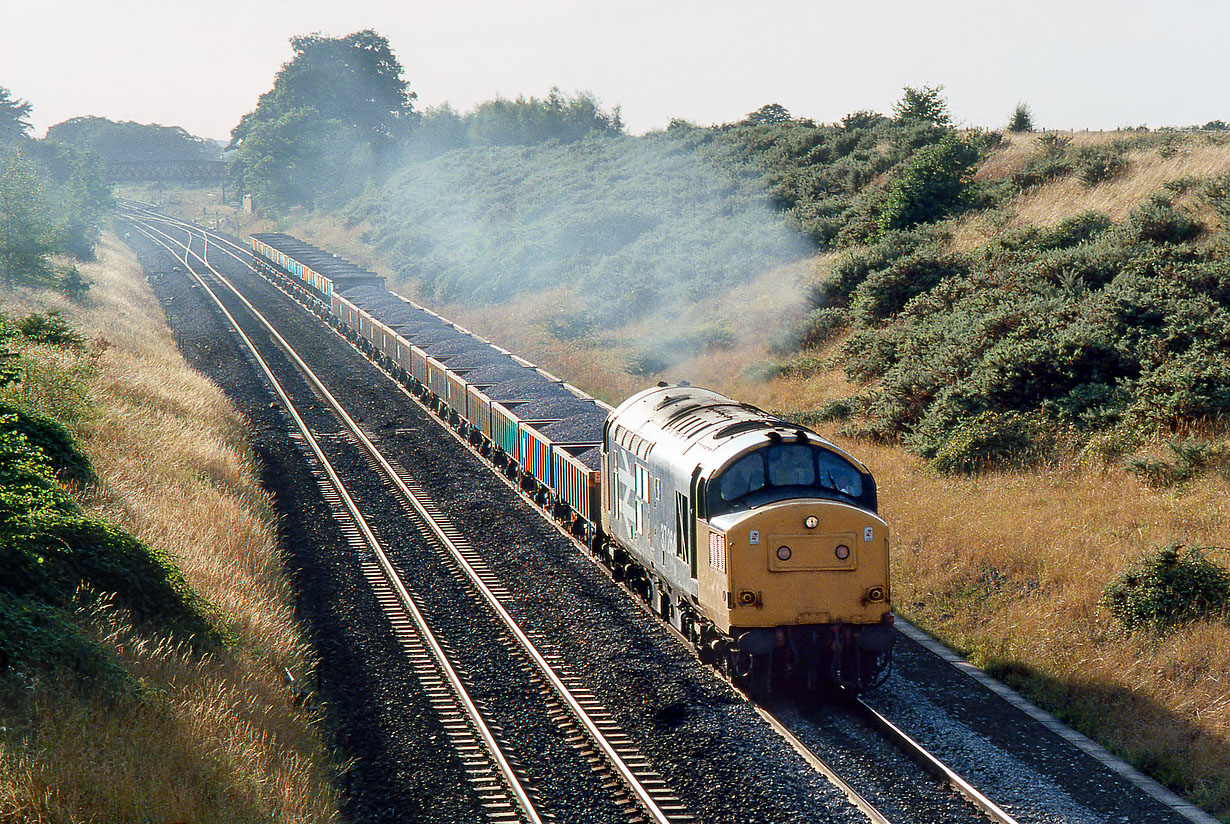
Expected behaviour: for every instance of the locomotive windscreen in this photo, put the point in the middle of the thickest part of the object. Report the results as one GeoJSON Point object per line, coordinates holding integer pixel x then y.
{"type": "Point", "coordinates": [786, 470]}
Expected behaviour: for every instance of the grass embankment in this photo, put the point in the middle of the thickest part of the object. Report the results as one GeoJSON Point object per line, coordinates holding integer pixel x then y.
{"type": "Point", "coordinates": [1009, 567]}
{"type": "Point", "coordinates": [210, 734]}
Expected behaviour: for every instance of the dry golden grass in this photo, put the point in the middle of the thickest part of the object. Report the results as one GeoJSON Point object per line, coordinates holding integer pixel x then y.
{"type": "Point", "coordinates": [1148, 172]}
{"type": "Point", "coordinates": [214, 739]}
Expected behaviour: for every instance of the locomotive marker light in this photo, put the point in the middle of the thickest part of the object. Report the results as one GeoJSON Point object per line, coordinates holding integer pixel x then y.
{"type": "Point", "coordinates": [783, 553]}
{"type": "Point", "coordinates": [812, 522]}
{"type": "Point", "coordinates": [842, 552]}
{"type": "Point", "coordinates": [747, 597]}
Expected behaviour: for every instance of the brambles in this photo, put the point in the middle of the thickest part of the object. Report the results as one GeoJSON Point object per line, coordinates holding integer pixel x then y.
{"type": "Point", "coordinates": [1170, 585]}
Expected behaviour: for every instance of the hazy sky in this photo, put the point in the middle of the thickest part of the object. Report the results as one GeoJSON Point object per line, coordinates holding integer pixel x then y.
{"type": "Point", "coordinates": [1096, 64]}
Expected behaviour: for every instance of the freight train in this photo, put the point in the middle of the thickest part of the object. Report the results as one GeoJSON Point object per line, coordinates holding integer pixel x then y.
{"type": "Point", "coordinates": [755, 538]}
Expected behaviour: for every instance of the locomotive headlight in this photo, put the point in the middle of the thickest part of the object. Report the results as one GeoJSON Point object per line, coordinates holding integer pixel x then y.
{"type": "Point", "coordinates": [783, 553]}
{"type": "Point", "coordinates": [842, 552]}
{"type": "Point", "coordinates": [812, 522]}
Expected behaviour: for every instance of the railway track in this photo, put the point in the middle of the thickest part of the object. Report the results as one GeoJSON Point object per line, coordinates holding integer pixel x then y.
{"type": "Point", "coordinates": [644, 795]}
{"type": "Point", "coordinates": [636, 790]}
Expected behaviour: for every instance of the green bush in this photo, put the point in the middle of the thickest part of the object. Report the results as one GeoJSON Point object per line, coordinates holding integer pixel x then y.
{"type": "Point", "coordinates": [645, 364]}
{"type": "Point", "coordinates": [50, 549]}
{"type": "Point", "coordinates": [822, 325]}
{"type": "Point", "coordinates": [1170, 585]}
{"type": "Point", "coordinates": [37, 637]}
{"type": "Point", "coordinates": [1189, 458]}
{"type": "Point", "coordinates": [52, 439]}
{"type": "Point", "coordinates": [838, 409]}
{"type": "Point", "coordinates": [993, 440]}
{"type": "Point", "coordinates": [884, 293]}
{"type": "Point", "coordinates": [1158, 221]}
{"type": "Point", "coordinates": [1098, 164]}
{"type": "Point", "coordinates": [802, 367]}
{"type": "Point", "coordinates": [932, 185]}
{"type": "Point", "coordinates": [48, 328]}
{"type": "Point", "coordinates": [1216, 193]}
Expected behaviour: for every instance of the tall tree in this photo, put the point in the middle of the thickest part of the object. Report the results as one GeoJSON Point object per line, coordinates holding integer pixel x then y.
{"type": "Point", "coordinates": [14, 117]}
{"type": "Point", "coordinates": [924, 104]}
{"type": "Point", "coordinates": [26, 224]}
{"type": "Point", "coordinates": [352, 92]}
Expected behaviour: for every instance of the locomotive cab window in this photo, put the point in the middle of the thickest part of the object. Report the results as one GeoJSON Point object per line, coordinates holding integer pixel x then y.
{"type": "Point", "coordinates": [786, 470]}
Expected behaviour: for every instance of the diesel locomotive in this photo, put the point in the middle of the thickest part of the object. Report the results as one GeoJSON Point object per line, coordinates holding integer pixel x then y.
{"type": "Point", "coordinates": [757, 539]}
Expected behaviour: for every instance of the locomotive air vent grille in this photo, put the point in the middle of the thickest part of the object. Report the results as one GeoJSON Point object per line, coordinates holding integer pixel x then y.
{"type": "Point", "coordinates": [742, 426]}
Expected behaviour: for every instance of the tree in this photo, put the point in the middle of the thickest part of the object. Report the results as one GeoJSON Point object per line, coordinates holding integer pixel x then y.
{"type": "Point", "coordinates": [26, 233]}
{"type": "Point", "coordinates": [1022, 120]}
{"type": "Point", "coordinates": [355, 80]}
{"type": "Point", "coordinates": [932, 185]}
{"type": "Point", "coordinates": [14, 118]}
{"type": "Point", "coordinates": [528, 121]}
{"type": "Point", "coordinates": [126, 141]}
{"type": "Point", "coordinates": [925, 105]}
{"type": "Point", "coordinates": [351, 93]}
{"type": "Point", "coordinates": [771, 114]}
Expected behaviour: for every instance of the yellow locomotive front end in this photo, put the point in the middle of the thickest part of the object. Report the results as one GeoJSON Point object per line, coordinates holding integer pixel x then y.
{"type": "Point", "coordinates": [797, 562]}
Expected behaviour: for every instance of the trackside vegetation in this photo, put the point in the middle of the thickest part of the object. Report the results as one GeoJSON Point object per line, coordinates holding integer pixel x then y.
{"type": "Point", "coordinates": [145, 626]}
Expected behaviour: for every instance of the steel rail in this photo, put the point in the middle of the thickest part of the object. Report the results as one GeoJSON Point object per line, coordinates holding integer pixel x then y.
{"type": "Point", "coordinates": [407, 601]}
{"type": "Point", "coordinates": [930, 763]}
{"type": "Point", "coordinates": [642, 795]}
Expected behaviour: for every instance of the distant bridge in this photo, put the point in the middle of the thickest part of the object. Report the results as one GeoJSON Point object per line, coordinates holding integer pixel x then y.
{"type": "Point", "coordinates": [166, 171]}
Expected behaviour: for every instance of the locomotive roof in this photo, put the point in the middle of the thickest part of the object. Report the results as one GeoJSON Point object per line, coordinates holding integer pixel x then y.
{"type": "Point", "coordinates": [710, 427]}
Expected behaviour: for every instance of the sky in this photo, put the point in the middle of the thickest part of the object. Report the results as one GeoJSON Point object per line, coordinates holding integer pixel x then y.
{"type": "Point", "coordinates": [1077, 64]}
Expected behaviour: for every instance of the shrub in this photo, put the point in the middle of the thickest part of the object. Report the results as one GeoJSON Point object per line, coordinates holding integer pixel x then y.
{"type": "Point", "coordinates": [1098, 164]}
{"type": "Point", "coordinates": [1160, 222]}
{"type": "Point", "coordinates": [1040, 170]}
{"type": "Point", "coordinates": [48, 328]}
{"type": "Point", "coordinates": [1076, 230]}
{"type": "Point", "coordinates": [821, 326]}
{"type": "Point", "coordinates": [838, 409]}
{"type": "Point", "coordinates": [1053, 143]}
{"type": "Point", "coordinates": [39, 637]}
{"type": "Point", "coordinates": [1170, 585]}
{"type": "Point", "coordinates": [932, 185]}
{"type": "Point", "coordinates": [1216, 193]}
{"type": "Point", "coordinates": [644, 364]}
{"type": "Point", "coordinates": [50, 549]}
{"type": "Point", "coordinates": [1189, 458]}
{"type": "Point", "coordinates": [886, 292]}
{"type": "Point", "coordinates": [994, 439]}
{"type": "Point", "coordinates": [52, 440]}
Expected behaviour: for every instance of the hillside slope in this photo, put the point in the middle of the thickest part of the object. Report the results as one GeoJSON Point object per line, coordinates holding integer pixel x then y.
{"type": "Point", "coordinates": [1037, 382]}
